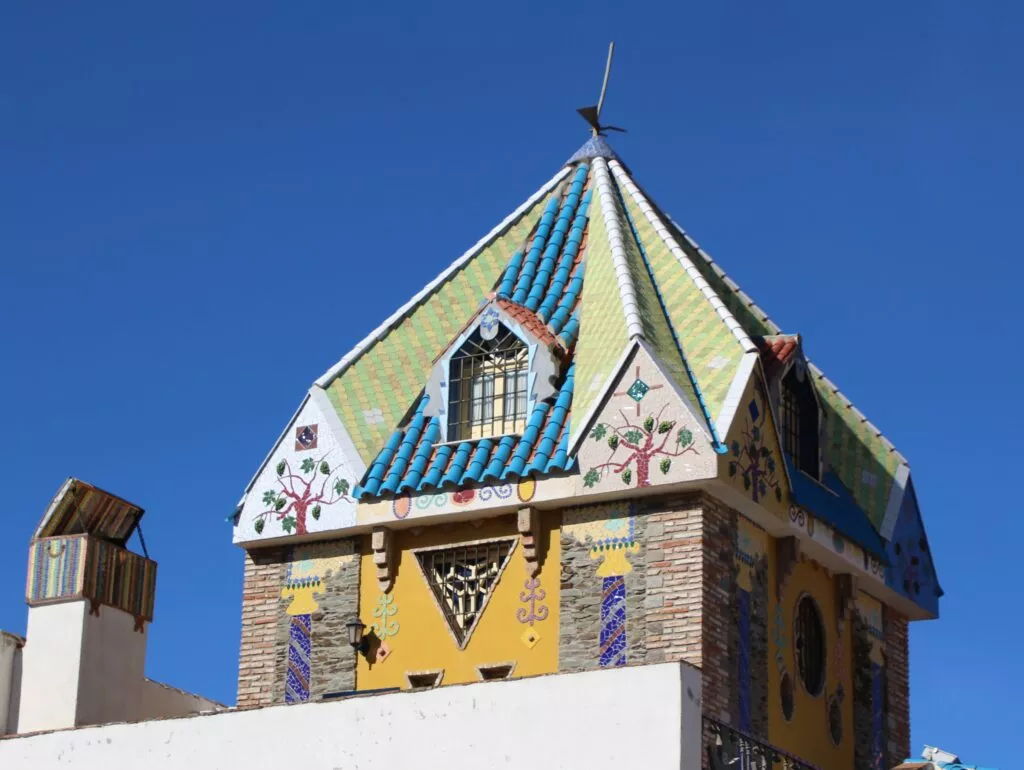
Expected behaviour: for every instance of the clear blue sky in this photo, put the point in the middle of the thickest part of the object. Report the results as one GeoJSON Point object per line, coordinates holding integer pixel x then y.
{"type": "Point", "coordinates": [204, 205]}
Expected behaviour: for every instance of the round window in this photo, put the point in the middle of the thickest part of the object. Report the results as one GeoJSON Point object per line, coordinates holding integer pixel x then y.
{"type": "Point", "coordinates": [809, 645]}
{"type": "Point", "coordinates": [835, 722]}
{"type": "Point", "coordinates": [786, 696]}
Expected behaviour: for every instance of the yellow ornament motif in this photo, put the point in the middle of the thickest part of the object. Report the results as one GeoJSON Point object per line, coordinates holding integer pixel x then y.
{"type": "Point", "coordinates": [611, 539]}
{"type": "Point", "coordinates": [310, 567]}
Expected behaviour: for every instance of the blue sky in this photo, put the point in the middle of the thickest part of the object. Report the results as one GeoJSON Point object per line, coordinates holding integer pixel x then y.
{"type": "Point", "coordinates": [203, 206]}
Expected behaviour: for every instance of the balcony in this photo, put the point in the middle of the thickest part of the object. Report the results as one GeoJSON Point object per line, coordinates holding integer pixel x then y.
{"type": "Point", "coordinates": [731, 749]}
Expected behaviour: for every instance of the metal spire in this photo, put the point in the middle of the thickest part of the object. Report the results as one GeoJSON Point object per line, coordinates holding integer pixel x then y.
{"type": "Point", "coordinates": [593, 114]}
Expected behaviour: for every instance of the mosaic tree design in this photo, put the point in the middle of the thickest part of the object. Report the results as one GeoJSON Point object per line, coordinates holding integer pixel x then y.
{"type": "Point", "coordinates": [636, 445]}
{"type": "Point", "coordinates": [752, 459]}
{"type": "Point", "coordinates": [301, 494]}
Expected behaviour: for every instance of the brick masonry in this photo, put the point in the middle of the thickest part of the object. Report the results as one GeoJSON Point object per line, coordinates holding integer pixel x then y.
{"type": "Point", "coordinates": [897, 685]}
{"type": "Point", "coordinates": [258, 672]}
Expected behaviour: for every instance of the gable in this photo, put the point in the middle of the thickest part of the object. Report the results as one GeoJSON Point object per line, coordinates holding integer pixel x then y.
{"type": "Point", "coordinates": [753, 464]}
{"type": "Point", "coordinates": [644, 434]}
{"type": "Point", "coordinates": [911, 571]}
{"type": "Point", "coordinates": [305, 483]}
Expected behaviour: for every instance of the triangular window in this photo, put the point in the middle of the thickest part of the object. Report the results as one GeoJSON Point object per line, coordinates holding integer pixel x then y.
{"type": "Point", "coordinates": [799, 421]}
{"type": "Point", "coordinates": [462, 580]}
{"type": "Point", "coordinates": [488, 385]}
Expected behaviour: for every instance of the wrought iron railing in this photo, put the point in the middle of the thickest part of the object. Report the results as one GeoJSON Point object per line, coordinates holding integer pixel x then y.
{"type": "Point", "coordinates": [732, 749]}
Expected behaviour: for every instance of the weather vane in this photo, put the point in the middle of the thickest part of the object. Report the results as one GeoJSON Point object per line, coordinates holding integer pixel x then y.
{"type": "Point", "coordinates": [593, 114]}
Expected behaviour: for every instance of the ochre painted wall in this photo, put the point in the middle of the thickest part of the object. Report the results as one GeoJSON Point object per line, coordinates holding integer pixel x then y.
{"type": "Point", "coordinates": [753, 463]}
{"type": "Point", "coordinates": [807, 734]}
{"type": "Point", "coordinates": [417, 634]}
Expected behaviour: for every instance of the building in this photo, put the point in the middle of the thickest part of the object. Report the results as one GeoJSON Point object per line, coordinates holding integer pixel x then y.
{"type": "Point", "coordinates": [580, 450]}
{"type": "Point", "coordinates": [583, 447]}
{"type": "Point", "coordinates": [936, 759]}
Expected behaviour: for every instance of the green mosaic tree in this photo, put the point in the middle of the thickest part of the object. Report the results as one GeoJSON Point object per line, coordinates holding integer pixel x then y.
{"type": "Point", "coordinates": [635, 446]}
{"type": "Point", "coordinates": [299, 496]}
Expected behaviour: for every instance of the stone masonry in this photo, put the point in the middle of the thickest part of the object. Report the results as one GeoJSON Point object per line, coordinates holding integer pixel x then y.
{"type": "Point", "coordinates": [334, 661]}
{"type": "Point", "coordinates": [863, 758]}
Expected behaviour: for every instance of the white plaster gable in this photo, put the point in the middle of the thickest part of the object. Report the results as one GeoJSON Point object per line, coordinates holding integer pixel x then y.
{"type": "Point", "coordinates": [304, 486]}
{"type": "Point", "coordinates": [645, 433]}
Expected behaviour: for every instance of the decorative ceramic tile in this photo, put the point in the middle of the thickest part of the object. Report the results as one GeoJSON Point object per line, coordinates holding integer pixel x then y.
{"type": "Point", "coordinates": [305, 437]}
{"type": "Point", "coordinates": [613, 622]}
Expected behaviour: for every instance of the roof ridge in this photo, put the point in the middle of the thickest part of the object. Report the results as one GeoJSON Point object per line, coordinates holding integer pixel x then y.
{"type": "Point", "coordinates": [613, 227]}
{"type": "Point", "coordinates": [644, 204]}
{"type": "Point", "coordinates": [775, 329]}
{"type": "Point", "coordinates": [381, 331]}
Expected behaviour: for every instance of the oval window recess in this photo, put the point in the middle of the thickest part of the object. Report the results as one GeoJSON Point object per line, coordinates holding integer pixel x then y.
{"type": "Point", "coordinates": [786, 696]}
{"type": "Point", "coordinates": [809, 644]}
{"type": "Point", "coordinates": [835, 722]}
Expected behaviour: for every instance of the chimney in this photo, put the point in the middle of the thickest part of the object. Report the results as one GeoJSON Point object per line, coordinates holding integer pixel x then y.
{"type": "Point", "coordinates": [90, 600]}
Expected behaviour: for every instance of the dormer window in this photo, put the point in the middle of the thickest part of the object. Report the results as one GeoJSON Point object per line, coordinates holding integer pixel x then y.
{"type": "Point", "coordinates": [799, 421]}
{"type": "Point", "coordinates": [488, 384]}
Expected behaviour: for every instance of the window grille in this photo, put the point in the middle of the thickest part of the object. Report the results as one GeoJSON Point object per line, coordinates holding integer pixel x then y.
{"type": "Point", "coordinates": [809, 642]}
{"type": "Point", "coordinates": [790, 421]}
{"type": "Point", "coordinates": [488, 386]}
{"type": "Point", "coordinates": [462, 579]}
{"type": "Point", "coordinates": [799, 423]}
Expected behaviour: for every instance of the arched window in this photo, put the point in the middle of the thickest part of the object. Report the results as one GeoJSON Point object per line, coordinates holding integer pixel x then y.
{"type": "Point", "coordinates": [488, 386]}
{"type": "Point", "coordinates": [799, 422]}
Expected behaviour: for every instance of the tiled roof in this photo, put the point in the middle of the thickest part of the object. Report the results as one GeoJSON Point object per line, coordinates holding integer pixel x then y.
{"type": "Point", "coordinates": [413, 462]}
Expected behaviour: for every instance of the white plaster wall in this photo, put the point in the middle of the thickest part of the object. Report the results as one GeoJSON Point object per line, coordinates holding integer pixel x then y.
{"type": "Point", "coordinates": [336, 510]}
{"type": "Point", "coordinates": [160, 700]}
{"type": "Point", "coordinates": [51, 660]}
{"type": "Point", "coordinates": [643, 716]}
{"type": "Point", "coordinates": [113, 667]}
{"type": "Point", "coordinates": [10, 681]}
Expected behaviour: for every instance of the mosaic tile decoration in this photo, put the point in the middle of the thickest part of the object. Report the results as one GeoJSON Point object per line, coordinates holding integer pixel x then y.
{"type": "Point", "coordinates": [300, 652]}
{"type": "Point", "coordinates": [613, 622]}
{"type": "Point", "coordinates": [743, 660]}
{"type": "Point", "coordinates": [877, 707]}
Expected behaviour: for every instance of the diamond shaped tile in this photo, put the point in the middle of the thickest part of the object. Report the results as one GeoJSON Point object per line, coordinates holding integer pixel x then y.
{"type": "Point", "coordinates": [530, 638]}
{"type": "Point", "coordinates": [638, 390]}
{"type": "Point", "coordinates": [754, 411]}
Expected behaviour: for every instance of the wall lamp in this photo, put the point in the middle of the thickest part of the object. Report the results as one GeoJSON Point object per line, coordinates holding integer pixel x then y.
{"type": "Point", "coordinates": [355, 629]}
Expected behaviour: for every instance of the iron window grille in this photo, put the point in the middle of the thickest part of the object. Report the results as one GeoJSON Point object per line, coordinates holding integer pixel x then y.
{"type": "Point", "coordinates": [799, 423]}
{"type": "Point", "coordinates": [487, 386]}
{"type": "Point", "coordinates": [462, 580]}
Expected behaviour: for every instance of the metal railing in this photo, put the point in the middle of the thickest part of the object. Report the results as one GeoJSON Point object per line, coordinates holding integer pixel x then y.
{"type": "Point", "coordinates": [731, 749]}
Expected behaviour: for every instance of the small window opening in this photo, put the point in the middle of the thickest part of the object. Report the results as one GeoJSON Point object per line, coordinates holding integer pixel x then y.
{"type": "Point", "coordinates": [786, 696]}
{"type": "Point", "coordinates": [799, 423]}
{"type": "Point", "coordinates": [421, 679]}
{"type": "Point", "coordinates": [495, 671]}
{"type": "Point", "coordinates": [488, 383]}
{"type": "Point", "coordinates": [835, 721]}
{"type": "Point", "coordinates": [809, 643]}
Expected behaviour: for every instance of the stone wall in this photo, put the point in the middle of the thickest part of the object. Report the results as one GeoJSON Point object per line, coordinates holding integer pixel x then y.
{"type": "Point", "coordinates": [897, 685]}
{"type": "Point", "coordinates": [258, 669]}
{"type": "Point", "coordinates": [863, 743]}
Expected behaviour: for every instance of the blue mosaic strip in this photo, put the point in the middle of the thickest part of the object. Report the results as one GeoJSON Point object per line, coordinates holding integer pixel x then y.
{"type": "Point", "coordinates": [300, 650]}
{"type": "Point", "coordinates": [743, 690]}
{"type": "Point", "coordinates": [613, 622]}
{"type": "Point", "coordinates": [877, 705]}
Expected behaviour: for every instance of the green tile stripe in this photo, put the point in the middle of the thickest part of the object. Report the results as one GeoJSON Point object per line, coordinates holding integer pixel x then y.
{"type": "Point", "coordinates": [703, 335]}
{"type": "Point", "coordinates": [391, 373]}
{"type": "Point", "coordinates": [853, 451]}
{"type": "Point", "coordinates": [750, 322]}
{"type": "Point", "coordinates": [603, 335]}
{"type": "Point", "coordinates": [657, 331]}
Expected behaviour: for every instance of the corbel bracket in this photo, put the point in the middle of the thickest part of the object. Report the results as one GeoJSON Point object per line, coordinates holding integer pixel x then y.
{"type": "Point", "coordinates": [529, 528]}
{"type": "Point", "coordinates": [381, 542]}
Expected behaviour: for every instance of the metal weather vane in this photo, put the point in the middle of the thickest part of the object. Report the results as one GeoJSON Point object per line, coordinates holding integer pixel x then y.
{"type": "Point", "coordinates": [593, 114]}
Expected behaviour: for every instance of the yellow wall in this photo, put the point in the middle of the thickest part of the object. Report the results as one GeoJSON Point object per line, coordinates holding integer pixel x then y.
{"type": "Point", "coordinates": [807, 734]}
{"type": "Point", "coordinates": [423, 641]}
{"type": "Point", "coordinates": [745, 466]}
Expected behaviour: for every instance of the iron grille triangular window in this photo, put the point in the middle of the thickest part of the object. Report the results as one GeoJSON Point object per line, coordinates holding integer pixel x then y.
{"type": "Point", "coordinates": [462, 579]}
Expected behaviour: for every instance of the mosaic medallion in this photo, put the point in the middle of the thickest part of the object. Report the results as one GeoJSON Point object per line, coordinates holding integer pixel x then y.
{"type": "Point", "coordinates": [638, 389]}
{"type": "Point", "coordinates": [305, 437]}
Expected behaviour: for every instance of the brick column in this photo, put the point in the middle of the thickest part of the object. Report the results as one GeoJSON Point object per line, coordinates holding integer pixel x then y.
{"type": "Point", "coordinates": [897, 681]}
{"type": "Point", "coordinates": [257, 660]}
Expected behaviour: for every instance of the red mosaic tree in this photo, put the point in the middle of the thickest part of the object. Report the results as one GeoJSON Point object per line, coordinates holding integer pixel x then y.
{"type": "Point", "coordinates": [643, 443]}
{"type": "Point", "coordinates": [299, 496]}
